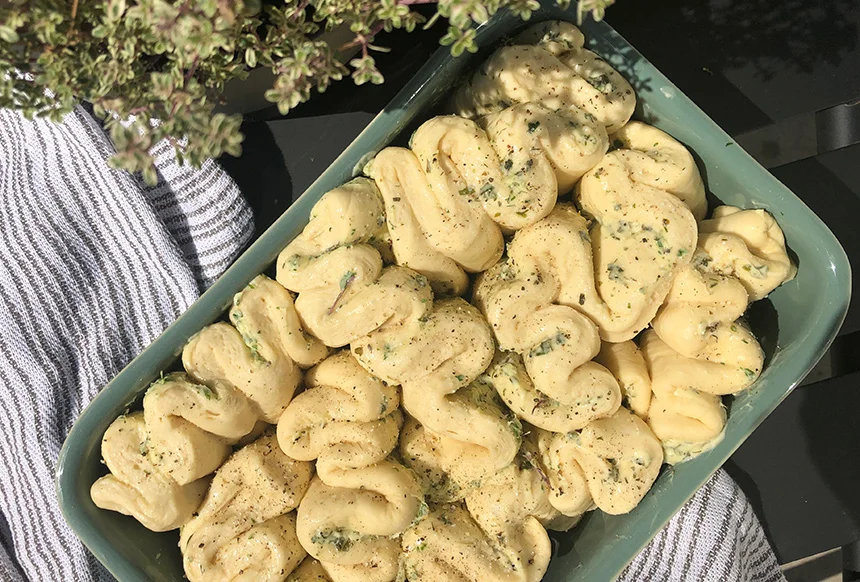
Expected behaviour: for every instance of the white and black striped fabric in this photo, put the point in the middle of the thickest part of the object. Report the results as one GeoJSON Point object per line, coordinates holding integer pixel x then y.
{"type": "Point", "coordinates": [715, 536]}
{"type": "Point", "coordinates": [94, 265]}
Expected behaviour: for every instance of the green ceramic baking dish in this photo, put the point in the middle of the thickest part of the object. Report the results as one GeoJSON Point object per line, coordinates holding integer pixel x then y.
{"type": "Point", "coordinates": [797, 323]}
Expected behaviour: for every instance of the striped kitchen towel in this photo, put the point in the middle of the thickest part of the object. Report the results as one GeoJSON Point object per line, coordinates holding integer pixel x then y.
{"type": "Point", "coordinates": [94, 264]}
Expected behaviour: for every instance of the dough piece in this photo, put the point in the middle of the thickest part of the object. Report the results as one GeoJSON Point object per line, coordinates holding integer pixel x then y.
{"type": "Point", "coordinates": [591, 392]}
{"type": "Point", "coordinates": [135, 486]}
{"type": "Point", "coordinates": [360, 501]}
{"type": "Point", "coordinates": [563, 390]}
{"type": "Point", "coordinates": [642, 236]}
{"type": "Point", "coordinates": [515, 505]}
{"type": "Point", "coordinates": [448, 467]}
{"type": "Point", "coordinates": [700, 321]}
{"type": "Point", "coordinates": [239, 378]}
{"type": "Point", "coordinates": [688, 421]}
{"type": "Point", "coordinates": [245, 529]}
{"type": "Point", "coordinates": [569, 491]}
{"type": "Point", "coordinates": [192, 426]}
{"type": "Point", "coordinates": [741, 258]}
{"type": "Point", "coordinates": [448, 545]}
{"type": "Point", "coordinates": [619, 457]}
{"type": "Point", "coordinates": [549, 65]}
{"type": "Point", "coordinates": [262, 355]}
{"type": "Point", "coordinates": [749, 245]}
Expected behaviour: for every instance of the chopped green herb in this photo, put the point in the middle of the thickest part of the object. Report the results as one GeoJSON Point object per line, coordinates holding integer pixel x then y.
{"type": "Point", "coordinates": [423, 510]}
{"type": "Point", "coordinates": [516, 427]}
{"type": "Point", "coordinates": [613, 474]}
{"type": "Point", "coordinates": [488, 192]}
{"type": "Point", "coordinates": [757, 271]}
{"type": "Point", "coordinates": [701, 261]}
{"type": "Point", "coordinates": [509, 163]}
{"type": "Point", "coordinates": [601, 83]}
{"type": "Point", "coordinates": [616, 273]}
{"type": "Point", "coordinates": [533, 125]}
{"type": "Point", "coordinates": [347, 279]}
{"type": "Point", "coordinates": [340, 539]}
{"type": "Point", "coordinates": [749, 373]}
{"type": "Point", "coordinates": [387, 350]}
{"type": "Point", "coordinates": [550, 344]}
{"type": "Point", "coordinates": [467, 191]}
{"type": "Point", "coordinates": [206, 392]}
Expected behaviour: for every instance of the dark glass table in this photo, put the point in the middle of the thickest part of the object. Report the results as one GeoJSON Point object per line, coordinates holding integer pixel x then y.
{"type": "Point", "coordinates": [783, 78]}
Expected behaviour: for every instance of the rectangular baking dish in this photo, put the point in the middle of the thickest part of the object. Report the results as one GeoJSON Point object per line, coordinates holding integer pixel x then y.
{"type": "Point", "coordinates": [796, 324]}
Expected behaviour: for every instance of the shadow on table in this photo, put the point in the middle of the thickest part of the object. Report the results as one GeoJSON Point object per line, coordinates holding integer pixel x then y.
{"type": "Point", "coordinates": [832, 429]}
{"type": "Point", "coordinates": [695, 43]}
{"type": "Point", "coordinates": [261, 174]}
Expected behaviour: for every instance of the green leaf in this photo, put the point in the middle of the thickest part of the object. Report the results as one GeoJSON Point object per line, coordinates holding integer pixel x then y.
{"type": "Point", "coordinates": [8, 34]}
{"type": "Point", "coordinates": [459, 41]}
{"type": "Point", "coordinates": [115, 10]}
